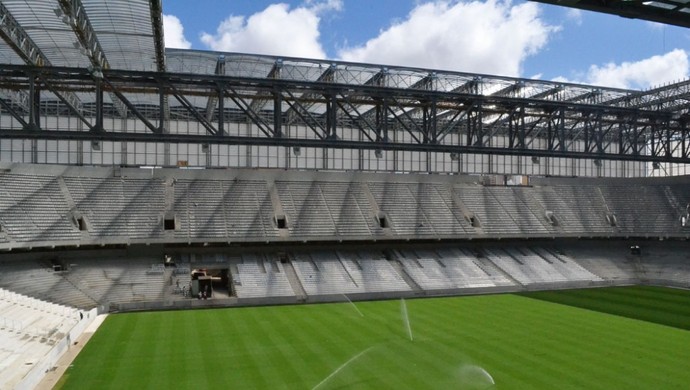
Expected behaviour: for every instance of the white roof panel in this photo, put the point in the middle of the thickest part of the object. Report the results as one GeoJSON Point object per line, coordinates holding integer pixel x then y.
{"type": "Point", "coordinates": [53, 36]}
{"type": "Point", "coordinates": [124, 31]}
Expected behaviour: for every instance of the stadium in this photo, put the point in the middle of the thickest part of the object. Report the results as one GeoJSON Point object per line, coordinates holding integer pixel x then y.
{"type": "Point", "coordinates": [333, 224]}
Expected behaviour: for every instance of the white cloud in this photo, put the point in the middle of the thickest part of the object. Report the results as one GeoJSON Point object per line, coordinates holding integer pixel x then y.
{"type": "Point", "coordinates": [574, 15]}
{"type": "Point", "coordinates": [655, 26]}
{"type": "Point", "coordinates": [276, 30]}
{"type": "Point", "coordinates": [649, 72]}
{"type": "Point", "coordinates": [174, 33]}
{"type": "Point", "coordinates": [491, 37]}
{"type": "Point", "coordinates": [561, 79]}
{"type": "Point", "coordinates": [318, 6]}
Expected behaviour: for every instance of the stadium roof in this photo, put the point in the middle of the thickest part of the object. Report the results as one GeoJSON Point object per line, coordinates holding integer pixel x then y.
{"type": "Point", "coordinates": [675, 12]}
{"type": "Point", "coordinates": [118, 34]}
{"type": "Point", "coordinates": [128, 34]}
{"type": "Point", "coordinates": [98, 58]}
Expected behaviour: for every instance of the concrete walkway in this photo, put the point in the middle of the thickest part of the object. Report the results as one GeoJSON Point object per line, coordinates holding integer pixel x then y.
{"type": "Point", "coordinates": [52, 377]}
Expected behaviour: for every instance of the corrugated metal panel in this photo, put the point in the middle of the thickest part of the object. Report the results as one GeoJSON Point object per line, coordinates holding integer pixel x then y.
{"type": "Point", "coordinates": [49, 31]}
{"type": "Point", "coordinates": [124, 30]}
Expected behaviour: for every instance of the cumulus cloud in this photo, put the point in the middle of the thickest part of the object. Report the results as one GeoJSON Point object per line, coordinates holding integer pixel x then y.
{"type": "Point", "coordinates": [493, 37]}
{"type": "Point", "coordinates": [574, 15]}
{"type": "Point", "coordinates": [655, 26]}
{"type": "Point", "coordinates": [277, 30]}
{"type": "Point", "coordinates": [174, 33]}
{"type": "Point", "coordinates": [318, 6]}
{"type": "Point", "coordinates": [646, 73]}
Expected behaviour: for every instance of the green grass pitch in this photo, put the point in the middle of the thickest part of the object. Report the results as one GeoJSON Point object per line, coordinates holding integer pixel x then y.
{"type": "Point", "coordinates": [613, 338]}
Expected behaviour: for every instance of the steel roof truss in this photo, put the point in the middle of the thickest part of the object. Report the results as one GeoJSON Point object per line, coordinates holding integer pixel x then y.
{"type": "Point", "coordinates": [131, 107]}
{"type": "Point", "coordinates": [19, 117]}
{"type": "Point", "coordinates": [157, 26]}
{"type": "Point", "coordinates": [356, 120]}
{"type": "Point", "coordinates": [213, 98]}
{"type": "Point", "coordinates": [404, 126]}
{"type": "Point", "coordinates": [192, 110]}
{"type": "Point", "coordinates": [22, 44]}
{"type": "Point", "coordinates": [306, 117]}
{"type": "Point", "coordinates": [252, 115]}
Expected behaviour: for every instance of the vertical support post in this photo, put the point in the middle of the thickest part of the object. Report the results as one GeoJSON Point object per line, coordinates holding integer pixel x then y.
{"type": "Point", "coordinates": [277, 114]}
{"type": "Point", "coordinates": [95, 145]}
{"type": "Point", "coordinates": [34, 104]}
{"type": "Point", "coordinates": [331, 116]}
{"type": "Point", "coordinates": [161, 109]}
{"type": "Point", "coordinates": [684, 140]}
{"type": "Point", "coordinates": [99, 106]}
{"type": "Point", "coordinates": [382, 120]}
{"type": "Point", "coordinates": [163, 122]}
{"type": "Point", "coordinates": [521, 128]}
{"type": "Point", "coordinates": [221, 111]}
{"type": "Point", "coordinates": [34, 115]}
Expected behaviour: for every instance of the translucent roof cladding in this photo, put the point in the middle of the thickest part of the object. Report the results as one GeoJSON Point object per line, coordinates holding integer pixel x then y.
{"type": "Point", "coordinates": [124, 31]}
{"type": "Point", "coordinates": [8, 56]}
{"type": "Point", "coordinates": [258, 66]}
{"type": "Point", "coordinates": [48, 31]}
{"type": "Point", "coordinates": [674, 12]}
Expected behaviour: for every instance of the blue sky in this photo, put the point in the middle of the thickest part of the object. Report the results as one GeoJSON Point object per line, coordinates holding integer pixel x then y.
{"type": "Point", "coordinates": [522, 39]}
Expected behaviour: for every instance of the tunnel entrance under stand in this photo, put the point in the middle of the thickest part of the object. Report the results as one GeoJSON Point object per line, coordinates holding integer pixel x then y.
{"type": "Point", "coordinates": [209, 282]}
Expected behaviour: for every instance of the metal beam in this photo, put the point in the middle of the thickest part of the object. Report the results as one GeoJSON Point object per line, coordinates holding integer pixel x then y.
{"type": "Point", "coordinates": [258, 103]}
{"type": "Point", "coordinates": [530, 127]}
{"type": "Point", "coordinates": [21, 43]}
{"type": "Point", "coordinates": [662, 154]}
{"type": "Point", "coordinates": [213, 99]}
{"type": "Point", "coordinates": [327, 76]}
{"type": "Point", "coordinates": [158, 40]}
{"type": "Point", "coordinates": [156, 8]}
{"type": "Point", "coordinates": [666, 12]}
{"type": "Point", "coordinates": [79, 21]}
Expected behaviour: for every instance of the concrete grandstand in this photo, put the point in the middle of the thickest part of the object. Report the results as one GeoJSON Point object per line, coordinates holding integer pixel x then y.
{"type": "Point", "coordinates": [132, 182]}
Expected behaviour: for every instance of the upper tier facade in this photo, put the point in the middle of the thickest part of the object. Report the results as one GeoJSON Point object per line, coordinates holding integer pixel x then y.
{"type": "Point", "coordinates": [59, 206]}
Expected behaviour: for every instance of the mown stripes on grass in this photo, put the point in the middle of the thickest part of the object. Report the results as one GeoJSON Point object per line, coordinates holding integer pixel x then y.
{"type": "Point", "coordinates": [665, 306]}
{"type": "Point", "coordinates": [519, 342]}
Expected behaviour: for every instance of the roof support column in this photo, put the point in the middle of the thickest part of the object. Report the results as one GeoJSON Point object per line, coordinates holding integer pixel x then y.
{"type": "Point", "coordinates": [34, 104]}
{"type": "Point", "coordinates": [684, 140]}
{"type": "Point", "coordinates": [221, 112]}
{"type": "Point", "coordinates": [99, 106]}
{"type": "Point", "coordinates": [331, 116]}
{"type": "Point", "coordinates": [277, 114]}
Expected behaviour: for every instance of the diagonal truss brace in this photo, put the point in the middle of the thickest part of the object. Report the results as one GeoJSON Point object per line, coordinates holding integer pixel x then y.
{"type": "Point", "coordinates": [22, 44]}
{"type": "Point", "coordinates": [79, 21]}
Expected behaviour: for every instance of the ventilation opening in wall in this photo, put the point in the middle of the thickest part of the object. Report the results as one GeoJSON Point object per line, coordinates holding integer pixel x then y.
{"type": "Point", "coordinates": [57, 265]}
{"type": "Point", "coordinates": [281, 222]}
{"type": "Point", "coordinates": [169, 224]}
{"type": "Point", "coordinates": [382, 220]}
{"type": "Point", "coordinates": [283, 257]}
{"type": "Point", "coordinates": [80, 223]}
{"type": "Point", "coordinates": [169, 221]}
